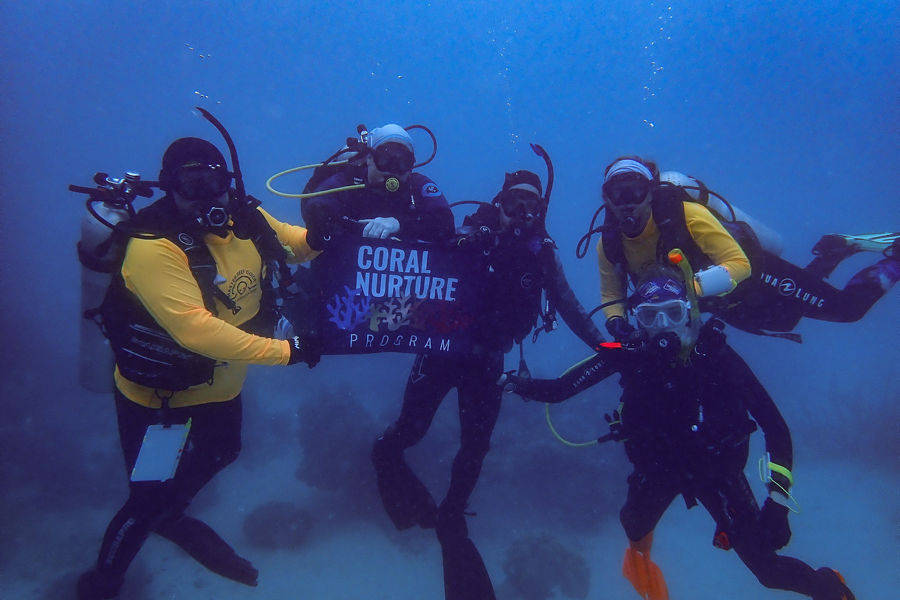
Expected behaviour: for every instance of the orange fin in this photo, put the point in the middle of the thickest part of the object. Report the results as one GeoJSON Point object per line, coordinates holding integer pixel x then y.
{"type": "Point", "coordinates": [644, 575]}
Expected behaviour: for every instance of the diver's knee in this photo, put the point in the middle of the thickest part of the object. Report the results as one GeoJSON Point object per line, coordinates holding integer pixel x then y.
{"type": "Point", "coordinates": [635, 527]}
{"type": "Point", "coordinates": [387, 446]}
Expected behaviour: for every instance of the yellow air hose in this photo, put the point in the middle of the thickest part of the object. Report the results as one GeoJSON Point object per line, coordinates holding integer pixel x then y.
{"type": "Point", "coordinates": [561, 438]}
{"type": "Point", "coordinates": [311, 194]}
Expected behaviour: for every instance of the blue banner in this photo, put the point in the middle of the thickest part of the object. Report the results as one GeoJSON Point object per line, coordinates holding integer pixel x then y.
{"type": "Point", "coordinates": [392, 296]}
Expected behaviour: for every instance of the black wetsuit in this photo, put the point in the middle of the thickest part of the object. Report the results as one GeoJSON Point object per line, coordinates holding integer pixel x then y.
{"type": "Point", "coordinates": [213, 444]}
{"type": "Point", "coordinates": [686, 430]}
{"type": "Point", "coordinates": [522, 266]}
{"type": "Point", "coordinates": [419, 207]}
{"type": "Point", "coordinates": [153, 367]}
{"type": "Point", "coordinates": [779, 293]}
{"type": "Point", "coordinates": [423, 214]}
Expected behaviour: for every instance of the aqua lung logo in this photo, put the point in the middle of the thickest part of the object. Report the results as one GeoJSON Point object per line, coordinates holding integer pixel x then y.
{"type": "Point", "coordinates": [527, 281]}
{"type": "Point", "coordinates": [185, 239]}
{"type": "Point", "coordinates": [788, 287]}
{"type": "Point", "coordinates": [587, 373]}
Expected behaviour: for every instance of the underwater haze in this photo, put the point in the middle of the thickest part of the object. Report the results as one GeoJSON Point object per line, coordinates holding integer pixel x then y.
{"type": "Point", "coordinates": [788, 109]}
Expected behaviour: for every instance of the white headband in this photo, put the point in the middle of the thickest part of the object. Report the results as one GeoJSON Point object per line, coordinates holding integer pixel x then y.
{"type": "Point", "coordinates": [628, 165]}
{"type": "Point", "coordinates": [526, 187]}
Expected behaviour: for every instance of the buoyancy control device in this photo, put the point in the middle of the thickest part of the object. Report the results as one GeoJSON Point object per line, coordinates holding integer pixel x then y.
{"type": "Point", "coordinates": [107, 226]}
{"type": "Point", "coordinates": [100, 253]}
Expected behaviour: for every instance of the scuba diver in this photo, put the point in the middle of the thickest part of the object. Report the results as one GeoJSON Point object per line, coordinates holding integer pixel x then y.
{"type": "Point", "coordinates": [521, 265]}
{"type": "Point", "coordinates": [369, 188]}
{"type": "Point", "coordinates": [189, 307]}
{"type": "Point", "coordinates": [649, 213]}
{"type": "Point", "coordinates": [633, 239]}
{"type": "Point", "coordinates": [376, 191]}
{"type": "Point", "coordinates": [689, 405]}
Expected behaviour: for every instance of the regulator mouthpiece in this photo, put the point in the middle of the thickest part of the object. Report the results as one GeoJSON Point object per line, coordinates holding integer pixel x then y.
{"type": "Point", "coordinates": [216, 217]}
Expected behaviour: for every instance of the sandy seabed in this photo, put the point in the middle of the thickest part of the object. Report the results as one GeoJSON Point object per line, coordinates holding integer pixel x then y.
{"type": "Point", "coordinates": [848, 521]}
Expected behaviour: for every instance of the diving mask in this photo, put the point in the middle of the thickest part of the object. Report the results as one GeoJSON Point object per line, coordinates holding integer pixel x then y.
{"type": "Point", "coordinates": [627, 189]}
{"type": "Point", "coordinates": [391, 157]}
{"type": "Point", "coordinates": [666, 315]}
{"type": "Point", "coordinates": [521, 206]}
{"type": "Point", "coordinates": [194, 181]}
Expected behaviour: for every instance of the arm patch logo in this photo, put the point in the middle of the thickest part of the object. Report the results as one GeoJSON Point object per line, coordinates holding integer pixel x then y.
{"type": "Point", "coordinates": [430, 190]}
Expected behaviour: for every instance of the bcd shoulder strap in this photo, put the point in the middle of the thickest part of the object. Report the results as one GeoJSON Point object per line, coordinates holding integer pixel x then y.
{"type": "Point", "coordinates": [668, 214]}
{"type": "Point", "coordinates": [611, 242]}
{"type": "Point", "coordinates": [203, 267]}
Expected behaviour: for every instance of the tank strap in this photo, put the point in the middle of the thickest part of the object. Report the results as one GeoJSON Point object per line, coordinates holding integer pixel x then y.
{"type": "Point", "coordinates": [668, 214]}
{"type": "Point", "coordinates": [702, 193]}
{"type": "Point", "coordinates": [612, 244]}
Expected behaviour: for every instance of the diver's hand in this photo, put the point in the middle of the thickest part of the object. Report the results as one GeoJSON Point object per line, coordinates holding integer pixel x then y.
{"type": "Point", "coordinates": [320, 232]}
{"type": "Point", "coordinates": [482, 239]}
{"type": "Point", "coordinates": [614, 420]}
{"type": "Point", "coordinates": [516, 384]}
{"type": "Point", "coordinates": [773, 521]}
{"type": "Point", "coordinates": [307, 349]}
{"type": "Point", "coordinates": [621, 329]}
{"type": "Point", "coordinates": [380, 227]}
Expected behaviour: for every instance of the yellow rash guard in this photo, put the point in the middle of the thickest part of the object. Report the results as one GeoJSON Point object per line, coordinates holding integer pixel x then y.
{"type": "Point", "coordinates": [158, 273]}
{"type": "Point", "coordinates": [640, 252]}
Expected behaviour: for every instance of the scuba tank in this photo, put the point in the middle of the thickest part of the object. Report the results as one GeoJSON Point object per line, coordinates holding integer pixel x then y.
{"type": "Point", "coordinates": [100, 251]}
{"type": "Point", "coordinates": [769, 239]}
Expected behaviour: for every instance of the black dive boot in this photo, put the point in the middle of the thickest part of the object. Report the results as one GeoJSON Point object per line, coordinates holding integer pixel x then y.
{"type": "Point", "coordinates": [206, 547]}
{"type": "Point", "coordinates": [94, 585]}
{"type": "Point", "coordinates": [465, 576]}
{"type": "Point", "coordinates": [406, 499]}
{"type": "Point", "coordinates": [830, 585]}
{"type": "Point", "coordinates": [829, 251]}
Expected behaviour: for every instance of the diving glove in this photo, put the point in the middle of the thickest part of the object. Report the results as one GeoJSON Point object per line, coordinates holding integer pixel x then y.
{"type": "Point", "coordinates": [616, 428]}
{"type": "Point", "coordinates": [510, 382]}
{"type": "Point", "coordinates": [620, 328]}
{"type": "Point", "coordinates": [305, 349]}
{"type": "Point", "coordinates": [773, 521]}
{"type": "Point", "coordinates": [482, 239]}
{"type": "Point", "coordinates": [380, 227]}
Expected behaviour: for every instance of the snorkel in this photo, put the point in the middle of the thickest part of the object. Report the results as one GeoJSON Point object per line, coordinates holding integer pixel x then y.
{"type": "Point", "coordinates": [539, 150]}
{"type": "Point", "coordinates": [677, 258]}
{"type": "Point", "coordinates": [240, 203]}
{"type": "Point", "coordinates": [523, 200]}
{"type": "Point", "coordinates": [235, 164]}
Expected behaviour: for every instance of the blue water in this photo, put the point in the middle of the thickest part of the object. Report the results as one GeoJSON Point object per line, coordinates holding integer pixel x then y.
{"type": "Point", "coordinates": [788, 109]}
